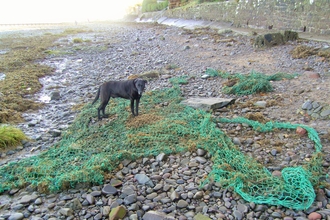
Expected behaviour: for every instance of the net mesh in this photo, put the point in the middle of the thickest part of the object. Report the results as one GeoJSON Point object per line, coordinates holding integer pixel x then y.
{"type": "Point", "coordinates": [247, 84]}
{"type": "Point", "coordinates": [89, 150]}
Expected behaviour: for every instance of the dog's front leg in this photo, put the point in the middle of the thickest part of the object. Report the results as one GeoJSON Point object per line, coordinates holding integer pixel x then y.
{"type": "Point", "coordinates": [137, 106]}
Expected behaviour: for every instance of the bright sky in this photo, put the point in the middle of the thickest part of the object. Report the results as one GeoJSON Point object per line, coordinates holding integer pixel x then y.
{"type": "Point", "coordinates": [45, 11]}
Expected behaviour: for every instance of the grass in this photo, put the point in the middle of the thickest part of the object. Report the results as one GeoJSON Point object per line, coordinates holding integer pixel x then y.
{"type": "Point", "coordinates": [10, 136]}
{"type": "Point", "coordinates": [78, 40]}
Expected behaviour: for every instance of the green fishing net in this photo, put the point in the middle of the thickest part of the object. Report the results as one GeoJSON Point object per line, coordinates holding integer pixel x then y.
{"type": "Point", "coordinates": [247, 84]}
{"type": "Point", "coordinates": [89, 150]}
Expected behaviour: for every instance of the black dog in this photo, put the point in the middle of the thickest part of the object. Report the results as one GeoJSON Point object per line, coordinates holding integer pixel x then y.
{"type": "Point", "coordinates": [129, 89]}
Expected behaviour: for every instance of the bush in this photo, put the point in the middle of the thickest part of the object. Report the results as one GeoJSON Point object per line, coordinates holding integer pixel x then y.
{"type": "Point", "coordinates": [152, 5]}
{"type": "Point", "coordinates": [10, 136]}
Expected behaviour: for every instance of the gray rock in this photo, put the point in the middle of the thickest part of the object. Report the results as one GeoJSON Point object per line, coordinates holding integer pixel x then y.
{"type": "Point", "coordinates": [201, 160]}
{"type": "Point", "coordinates": [74, 204]}
{"type": "Point", "coordinates": [160, 157]}
{"type": "Point", "coordinates": [307, 105]}
{"type": "Point", "coordinates": [325, 113]}
{"type": "Point", "coordinates": [207, 104]}
{"type": "Point", "coordinates": [66, 212]}
{"type": "Point", "coordinates": [128, 190]}
{"type": "Point", "coordinates": [56, 95]}
{"type": "Point", "coordinates": [238, 215]}
{"type": "Point", "coordinates": [200, 152]}
{"type": "Point", "coordinates": [144, 180]}
{"type": "Point", "coordinates": [236, 141]}
{"type": "Point", "coordinates": [152, 196]}
{"type": "Point", "coordinates": [273, 152]}
{"type": "Point", "coordinates": [130, 199]}
{"type": "Point", "coordinates": [55, 132]}
{"type": "Point", "coordinates": [28, 198]}
{"type": "Point", "coordinates": [16, 216]}
{"type": "Point", "coordinates": [155, 215]}
{"type": "Point", "coordinates": [174, 196]}
{"type": "Point", "coordinates": [182, 204]}
{"type": "Point", "coordinates": [90, 199]}
{"type": "Point", "coordinates": [205, 76]}
{"type": "Point", "coordinates": [109, 190]}
{"type": "Point", "coordinates": [242, 208]}
{"type": "Point", "coordinates": [261, 104]}
{"type": "Point", "coordinates": [17, 207]}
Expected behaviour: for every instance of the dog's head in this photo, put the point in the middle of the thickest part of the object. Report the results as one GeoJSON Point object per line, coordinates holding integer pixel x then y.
{"type": "Point", "coordinates": [140, 85]}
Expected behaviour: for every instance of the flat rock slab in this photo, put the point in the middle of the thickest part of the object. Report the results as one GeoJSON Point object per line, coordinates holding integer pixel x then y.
{"type": "Point", "coordinates": [207, 104]}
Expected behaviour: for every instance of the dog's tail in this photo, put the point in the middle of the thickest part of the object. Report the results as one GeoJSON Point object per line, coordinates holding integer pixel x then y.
{"type": "Point", "coordinates": [97, 96]}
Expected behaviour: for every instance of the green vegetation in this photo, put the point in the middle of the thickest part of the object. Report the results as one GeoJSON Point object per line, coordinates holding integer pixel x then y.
{"type": "Point", "coordinates": [10, 137]}
{"type": "Point", "coordinates": [181, 80]}
{"type": "Point", "coordinates": [77, 40]}
{"type": "Point", "coordinates": [152, 5]}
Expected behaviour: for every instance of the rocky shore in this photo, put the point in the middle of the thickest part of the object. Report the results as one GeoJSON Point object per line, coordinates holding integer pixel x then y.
{"type": "Point", "coordinates": [167, 186]}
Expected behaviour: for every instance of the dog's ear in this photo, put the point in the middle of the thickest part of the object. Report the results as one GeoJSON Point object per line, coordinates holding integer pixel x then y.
{"type": "Point", "coordinates": [145, 81]}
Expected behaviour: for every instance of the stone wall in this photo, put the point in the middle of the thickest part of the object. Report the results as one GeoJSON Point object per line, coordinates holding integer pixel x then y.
{"type": "Point", "coordinates": [296, 15]}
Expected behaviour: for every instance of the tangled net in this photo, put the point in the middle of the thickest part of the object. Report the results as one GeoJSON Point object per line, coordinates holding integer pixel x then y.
{"type": "Point", "coordinates": [90, 150]}
{"type": "Point", "coordinates": [250, 83]}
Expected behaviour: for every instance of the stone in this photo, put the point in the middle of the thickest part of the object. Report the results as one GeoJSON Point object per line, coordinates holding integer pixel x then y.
{"type": "Point", "coordinates": [115, 182]}
{"type": "Point", "coordinates": [207, 104]}
{"type": "Point", "coordinates": [55, 132]}
{"type": "Point", "coordinates": [269, 40]}
{"type": "Point", "coordinates": [273, 152]}
{"type": "Point", "coordinates": [66, 212]}
{"type": "Point", "coordinates": [155, 215]}
{"type": "Point", "coordinates": [108, 189]}
{"type": "Point", "coordinates": [75, 204]}
{"type": "Point", "coordinates": [261, 104]}
{"type": "Point", "coordinates": [151, 196]}
{"type": "Point", "coordinates": [128, 190]}
{"type": "Point", "coordinates": [307, 105]}
{"type": "Point", "coordinates": [200, 152]}
{"type": "Point", "coordinates": [16, 216]}
{"type": "Point", "coordinates": [158, 187]}
{"type": "Point", "coordinates": [301, 131]}
{"type": "Point", "coordinates": [55, 96]}
{"type": "Point", "coordinates": [28, 198]}
{"type": "Point", "coordinates": [144, 180]}
{"type": "Point", "coordinates": [117, 213]}
{"type": "Point", "coordinates": [205, 76]}
{"type": "Point", "coordinates": [38, 201]}
{"type": "Point", "coordinates": [325, 113]}
{"type": "Point", "coordinates": [2, 76]}
{"type": "Point", "coordinates": [160, 157]}
{"type": "Point", "coordinates": [198, 195]}
{"type": "Point", "coordinates": [174, 196]}
{"type": "Point", "coordinates": [312, 75]}
{"type": "Point", "coordinates": [130, 199]}
{"type": "Point", "coordinates": [238, 215]}
{"type": "Point", "coordinates": [314, 216]}
{"type": "Point", "coordinates": [182, 204]}
{"type": "Point", "coordinates": [200, 216]}
{"type": "Point", "coordinates": [90, 199]}
{"type": "Point", "coordinates": [106, 210]}
{"type": "Point", "coordinates": [242, 208]}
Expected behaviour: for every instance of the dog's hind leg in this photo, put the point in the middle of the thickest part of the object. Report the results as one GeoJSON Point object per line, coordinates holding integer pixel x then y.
{"type": "Point", "coordinates": [102, 107]}
{"type": "Point", "coordinates": [132, 106]}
